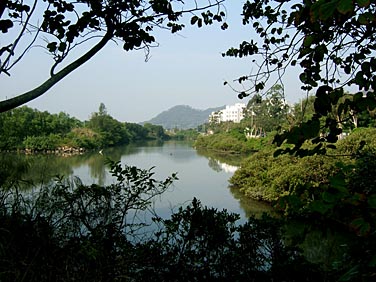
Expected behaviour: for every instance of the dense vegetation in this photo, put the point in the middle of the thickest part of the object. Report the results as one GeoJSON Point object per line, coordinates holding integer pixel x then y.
{"type": "Point", "coordinates": [29, 129]}
{"type": "Point", "coordinates": [69, 231]}
{"type": "Point", "coordinates": [266, 177]}
{"type": "Point", "coordinates": [184, 134]}
{"type": "Point", "coordinates": [233, 141]}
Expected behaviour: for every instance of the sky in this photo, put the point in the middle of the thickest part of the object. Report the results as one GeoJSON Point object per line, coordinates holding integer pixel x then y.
{"type": "Point", "coordinates": [186, 69]}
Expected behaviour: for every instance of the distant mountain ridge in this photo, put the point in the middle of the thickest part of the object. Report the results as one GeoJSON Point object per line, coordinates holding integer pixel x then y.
{"type": "Point", "coordinates": [182, 117]}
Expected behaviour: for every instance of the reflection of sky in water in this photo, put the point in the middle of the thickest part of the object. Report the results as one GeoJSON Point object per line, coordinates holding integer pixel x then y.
{"type": "Point", "coordinates": [228, 168]}
{"type": "Point", "coordinates": [83, 172]}
{"type": "Point", "coordinates": [196, 177]}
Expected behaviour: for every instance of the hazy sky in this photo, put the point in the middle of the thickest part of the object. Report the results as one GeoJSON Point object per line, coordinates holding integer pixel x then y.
{"type": "Point", "coordinates": [186, 69]}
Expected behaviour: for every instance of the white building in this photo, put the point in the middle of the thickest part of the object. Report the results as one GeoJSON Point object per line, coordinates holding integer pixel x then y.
{"type": "Point", "coordinates": [234, 113]}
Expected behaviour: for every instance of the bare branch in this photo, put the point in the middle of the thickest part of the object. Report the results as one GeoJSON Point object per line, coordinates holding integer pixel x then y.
{"type": "Point", "coordinates": [3, 67]}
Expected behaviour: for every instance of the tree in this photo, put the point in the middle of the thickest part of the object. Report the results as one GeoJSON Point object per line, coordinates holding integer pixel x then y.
{"type": "Point", "coordinates": [136, 131]}
{"type": "Point", "coordinates": [333, 43]}
{"type": "Point", "coordinates": [270, 113]}
{"type": "Point", "coordinates": [61, 26]}
{"type": "Point", "coordinates": [155, 131]}
{"type": "Point", "coordinates": [19, 124]}
{"type": "Point", "coordinates": [112, 131]}
{"type": "Point", "coordinates": [102, 110]}
{"type": "Point", "coordinates": [303, 110]}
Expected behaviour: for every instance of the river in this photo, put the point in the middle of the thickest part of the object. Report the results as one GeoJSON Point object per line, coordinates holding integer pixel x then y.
{"type": "Point", "coordinates": [201, 174]}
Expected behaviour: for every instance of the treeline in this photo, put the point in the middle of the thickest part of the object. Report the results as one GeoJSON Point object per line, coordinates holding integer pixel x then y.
{"type": "Point", "coordinates": [230, 138]}
{"type": "Point", "coordinates": [29, 129]}
{"type": "Point", "coordinates": [265, 177]}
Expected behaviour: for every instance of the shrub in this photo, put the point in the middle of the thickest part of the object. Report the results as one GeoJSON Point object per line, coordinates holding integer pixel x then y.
{"type": "Point", "coordinates": [42, 143]}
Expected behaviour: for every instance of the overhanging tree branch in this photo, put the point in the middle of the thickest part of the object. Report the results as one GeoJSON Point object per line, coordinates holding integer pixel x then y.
{"type": "Point", "coordinates": [40, 90]}
{"type": "Point", "coordinates": [65, 23]}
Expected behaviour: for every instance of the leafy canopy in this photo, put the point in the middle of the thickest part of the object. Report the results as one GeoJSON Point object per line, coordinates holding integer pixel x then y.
{"type": "Point", "coordinates": [333, 44]}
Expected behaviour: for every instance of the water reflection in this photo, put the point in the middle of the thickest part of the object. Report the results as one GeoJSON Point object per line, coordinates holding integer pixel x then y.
{"type": "Point", "coordinates": [201, 174]}
{"type": "Point", "coordinates": [249, 206]}
{"type": "Point", "coordinates": [35, 169]}
{"type": "Point", "coordinates": [222, 162]}
{"type": "Point", "coordinates": [234, 160]}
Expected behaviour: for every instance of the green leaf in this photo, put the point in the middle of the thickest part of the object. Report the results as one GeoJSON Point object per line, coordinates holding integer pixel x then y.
{"type": "Point", "coordinates": [322, 102]}
{"type": "Point", "coordinates": [62, 46]}
{"type": "Point", "coordinates": [361, 226]}
{"type": "Point", "coordinates": [327, 10]}
{"type": "Point", "coordinates": [338, 182]}
{"type": "Point", "coordinates": [345, 6]}
{"type": "Point", "coordinates": [319, 206]}
{"type": "Point", "coordinates": [366, 67]}
{"type": "Point", "coordinates": [308, 41]}
{"type": "Point", "coordinates": [194, 19]}
{"type": "Point", "coordinates": [278, 152]}
{"type": "Point", "coordinates": [224, 26]}
{"type": "Point", "coordinates": [363, 3]}
{"type": "Point", "coordinates": [199, 22]}
{"type": "Point", "coordinates": [362, 19]}
{"type": "Point", "coordinates": [351, 274]}
{"type": "Point", "coordinates": [357, 97]}
{"type": "Point", "coordinates": [52, 46]}
{"type": "Point", "coordinates": [5, 25]}
{"type": "Point", "coordinates": [335, 95]}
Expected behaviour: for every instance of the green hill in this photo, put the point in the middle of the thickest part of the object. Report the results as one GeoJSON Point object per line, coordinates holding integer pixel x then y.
{"type": "Point", "coordinates": [182, 117]}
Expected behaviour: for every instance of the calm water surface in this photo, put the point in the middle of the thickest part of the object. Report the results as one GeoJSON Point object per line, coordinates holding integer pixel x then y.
{"type": "Point", "coordinates": [200, 174]}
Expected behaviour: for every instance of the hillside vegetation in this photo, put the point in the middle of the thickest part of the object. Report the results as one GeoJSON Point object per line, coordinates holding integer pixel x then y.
{"type": "Point", "coordinates": [182, 117]}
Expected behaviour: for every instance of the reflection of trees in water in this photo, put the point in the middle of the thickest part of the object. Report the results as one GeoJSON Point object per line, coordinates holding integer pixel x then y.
{"type": "Point", "coordinates": [96, 161]}
{"type": "Point", "coordinates": [214, 165]}
{"type": "Point", "coordinates": [36, 169]}
{"type": "Point", "coordinates": [250, 207]}
{"type": "Point", "coordinates": [12, 168]}
{"type": "Point", "coordinates": [229, 159]}
{"type": "Point", "coordinates": [228, 162]}
{"type": "Point", "coordinates": [39, 169]}
{"type": "Point", "coordinates": [220, 161]}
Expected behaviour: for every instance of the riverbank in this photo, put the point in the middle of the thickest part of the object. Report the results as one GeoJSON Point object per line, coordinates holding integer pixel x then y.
{"type": "Point", "coordinates": [226, 142]}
